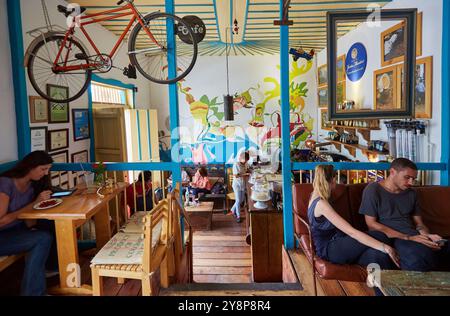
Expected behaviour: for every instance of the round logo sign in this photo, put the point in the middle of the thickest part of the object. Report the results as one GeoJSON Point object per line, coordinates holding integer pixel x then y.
{"type": "Point", "coordinates": [356, 62]}
{"type": "Point", "coordinates": [197, 26]}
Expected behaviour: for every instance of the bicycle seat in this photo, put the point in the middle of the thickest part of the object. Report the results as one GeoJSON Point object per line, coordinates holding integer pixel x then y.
{"type": "Point", "coordinates": [64, 10]}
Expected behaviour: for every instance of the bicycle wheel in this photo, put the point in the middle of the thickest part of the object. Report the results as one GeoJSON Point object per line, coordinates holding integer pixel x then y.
{"type": "Point", "coordinates": [151, 57]}
{"type": "Point", "coordinates": [42, 75]}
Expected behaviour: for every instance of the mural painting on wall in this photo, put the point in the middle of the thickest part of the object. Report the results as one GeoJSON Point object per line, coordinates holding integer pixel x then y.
{"type": "Point", "coordinates": [257, 124]}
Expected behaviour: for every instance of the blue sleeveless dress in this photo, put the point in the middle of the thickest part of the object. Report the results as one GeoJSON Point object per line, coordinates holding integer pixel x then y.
{"type": "Point", "coordinates": [322, 231]}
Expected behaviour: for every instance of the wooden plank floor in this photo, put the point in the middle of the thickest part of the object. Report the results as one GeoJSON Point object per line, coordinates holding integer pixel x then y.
{"type": "Point", "coordinates": [221, 255]}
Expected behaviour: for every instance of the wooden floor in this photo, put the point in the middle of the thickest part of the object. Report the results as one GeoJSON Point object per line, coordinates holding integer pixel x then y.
{"type": "Point", "coordinates": [221, 255]}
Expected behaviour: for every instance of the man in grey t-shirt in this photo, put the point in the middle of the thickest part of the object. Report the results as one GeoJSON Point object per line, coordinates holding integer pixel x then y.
{"type": "Point", "coordinates": [391, 207]}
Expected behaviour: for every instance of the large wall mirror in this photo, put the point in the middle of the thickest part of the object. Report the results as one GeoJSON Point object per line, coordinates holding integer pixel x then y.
{"type": "Point", "coordinates": [371, 63]}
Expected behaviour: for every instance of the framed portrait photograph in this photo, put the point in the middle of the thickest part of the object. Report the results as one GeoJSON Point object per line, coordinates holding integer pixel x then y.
{"type": "Point", "coordinates": [423, 103]}
{"type": "Point", "coordinates": [38, 110]}
{"type": "Point", "coordinates": [385, 90]}
{"type": "Point", "coordinates": [58, 112]}
{"type": "Point", "coordinates": [322, 76]}
{"type": "Point", "coordinates": [38, 138]}
{"type": "Point", "coordinates": [58, 139]}
{"type": "Point", "coordinates": [340, 68]}
{"type": "Point", "coordinates": [322, 97]}
{"type": "Point", "coordinates": [80, 119]}
{"type": "Point", "coordinates": [393, 43]}
{"type": "Point", "coordinates": [324, 122]}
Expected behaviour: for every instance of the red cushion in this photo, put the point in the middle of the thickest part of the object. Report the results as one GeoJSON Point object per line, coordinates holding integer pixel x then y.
{"type": "Point", "coordinates": [355, 192]}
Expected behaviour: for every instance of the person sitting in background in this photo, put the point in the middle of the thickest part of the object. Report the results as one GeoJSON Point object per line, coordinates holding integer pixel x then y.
{"type": "Point", "coordinates": [185, 179]}
{"type": "Point", "coordinates": [200, 183]}
{"type": "Point", "coordinates": [25, 183]}
{"type": "Point", "coordinates": [140, 193]}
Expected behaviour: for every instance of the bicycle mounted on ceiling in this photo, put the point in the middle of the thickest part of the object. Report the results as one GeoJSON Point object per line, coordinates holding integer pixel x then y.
{"type": "Point", "coordinates": [58, 58]}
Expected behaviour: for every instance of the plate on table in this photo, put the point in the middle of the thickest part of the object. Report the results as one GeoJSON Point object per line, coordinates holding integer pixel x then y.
{"type": "Point", "coordinates": [43, 205]}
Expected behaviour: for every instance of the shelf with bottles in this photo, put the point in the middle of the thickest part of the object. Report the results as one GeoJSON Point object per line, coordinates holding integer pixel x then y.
{"type": "Point", "coordinates": [353, 147]}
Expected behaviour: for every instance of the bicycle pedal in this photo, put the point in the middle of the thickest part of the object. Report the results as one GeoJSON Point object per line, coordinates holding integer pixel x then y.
{"type": "Point", "coordinates": [130, 72]}
{"type": "Point", "coordinates": [81, 56]}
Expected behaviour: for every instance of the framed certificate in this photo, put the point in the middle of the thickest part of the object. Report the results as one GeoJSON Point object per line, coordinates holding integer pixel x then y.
{"type": "Point", "coordinates": [38, 110]}
{"type": "Point", "coordinates": [80, 157]}
{"type": "Point", "coordinates": [58, 139]}
{"type": "Point", "coordinates": [38, 138]}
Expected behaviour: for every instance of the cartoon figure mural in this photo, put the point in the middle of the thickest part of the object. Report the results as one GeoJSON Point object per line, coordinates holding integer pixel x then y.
{"type": "Point", "coordinates": [217, 140]}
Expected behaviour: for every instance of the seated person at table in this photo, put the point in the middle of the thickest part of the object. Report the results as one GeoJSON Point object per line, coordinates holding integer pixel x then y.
{"type": "Point", "coordinates": [185, 179]}
{"type": "Point", "coordinates": [391, 207]}
{"type": "Point", "coordinates": [200, 183]}
{"type": "Point", "coordinates": [140, 195]}
{"type": "Point", "coordinates": [335, 240]}
{"type": "Point", "coordinates": [27, 182]}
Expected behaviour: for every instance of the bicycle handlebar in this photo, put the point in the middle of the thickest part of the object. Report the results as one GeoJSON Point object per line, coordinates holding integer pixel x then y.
{"type": "Point", "coordinates": [120, 2]}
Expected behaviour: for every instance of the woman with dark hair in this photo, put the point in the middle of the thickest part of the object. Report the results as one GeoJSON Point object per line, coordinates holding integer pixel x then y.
{"type": "Point", "coordinates": [28, 181]}
{"type": "Point", "coordinates": [200, 183]}
{"type": "Point", "coordinates": [140, 194]}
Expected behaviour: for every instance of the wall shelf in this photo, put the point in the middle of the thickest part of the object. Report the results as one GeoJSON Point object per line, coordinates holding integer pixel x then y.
{"type": "Point", "coordinates": [353, 147]}
{"type": "Point", "coordinates": [364, 131]}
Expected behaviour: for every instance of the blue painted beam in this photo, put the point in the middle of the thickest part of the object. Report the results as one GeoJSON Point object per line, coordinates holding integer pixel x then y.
{"type": "Point", "coordinates": [363, 166]}
{"type": "Point", "coordinates": [19, 79]}
{"type": "Point", "coordinates": [445, 116]}
{"type": "Point", "coordinates": [125, 166]}
{"type": "Point", "coordinates": [288, 223]}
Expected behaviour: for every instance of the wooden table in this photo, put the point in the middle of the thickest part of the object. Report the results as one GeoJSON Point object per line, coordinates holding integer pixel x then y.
{"type": "Point", "coordinates": [408, 283]}
{"type": "Point", "coordinates": [74, 211]}
{"type": "Point", "coordinates": [266, 230]}
{"type": "Point", "coordinates": [201, 215]}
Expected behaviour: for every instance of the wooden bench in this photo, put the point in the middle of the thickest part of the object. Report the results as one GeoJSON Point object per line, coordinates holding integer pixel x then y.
{"type": "Point", "coordinates": [6, 261]}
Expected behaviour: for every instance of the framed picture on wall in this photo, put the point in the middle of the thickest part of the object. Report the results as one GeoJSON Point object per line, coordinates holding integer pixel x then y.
{"type": "Point", "coordinates": [324, 122]}
{"type": "Point", "coordinates": [58, 139]}
{"type": "Point", "coordinates": [323, 97]}
{"type": "Point", "coordinates": [60, 157]}
{"type": "Point", "coordinates": [80, 119]}
{"type": "Point", "coordinates": [38, 110]}
{"type": "Point", "coordinates": [393, 43]}
{"type": "Point", "coordinates": [80, 157]}
{"type": "Point", "coordinates": [340, 66]}
{"type": "Point", "coordinates": [423, 103]}
{"type": "Point", "coordinates": [341, 92]}
{"type": "Point", "coordinates": [385, 89]}
{"type": "Point", "coordinates": [38, 138]}
{"type": "Point", "coordinates": [322, 75]}
{"type": "Point", "coordinates": [58, 112]}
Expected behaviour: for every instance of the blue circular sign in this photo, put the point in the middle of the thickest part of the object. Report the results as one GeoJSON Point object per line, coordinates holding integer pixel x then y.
{"type": "Point", "coordinates": [356, 62]}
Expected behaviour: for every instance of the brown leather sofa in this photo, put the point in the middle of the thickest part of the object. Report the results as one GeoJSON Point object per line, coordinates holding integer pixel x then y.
{"type": "Point", "coordinates": [346, 199]}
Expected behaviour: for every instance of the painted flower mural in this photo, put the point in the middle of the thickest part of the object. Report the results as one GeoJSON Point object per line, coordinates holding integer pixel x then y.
{"type": "Point", "coordinates": [257, 119]}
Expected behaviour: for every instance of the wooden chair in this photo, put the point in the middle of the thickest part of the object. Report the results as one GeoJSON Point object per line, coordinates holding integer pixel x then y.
{"type": "Point", "coordinates": [153, 256]}
{"type": "Point", "coordinates": [230, 194]}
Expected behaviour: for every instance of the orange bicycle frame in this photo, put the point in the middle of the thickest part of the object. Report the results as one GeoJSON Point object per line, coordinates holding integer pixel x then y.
{"type": "Point", "coordinates": [123, 11]}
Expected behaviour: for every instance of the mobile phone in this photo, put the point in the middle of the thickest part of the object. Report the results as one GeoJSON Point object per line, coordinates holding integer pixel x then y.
{"type": "Point", "coordinates": [62, 193]}
{"type": "Point", "coordinates": [442, 242]}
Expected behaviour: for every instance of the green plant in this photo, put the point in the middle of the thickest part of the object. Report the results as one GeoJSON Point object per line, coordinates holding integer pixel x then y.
{"type": "Point", "coordinates": [99, 170]}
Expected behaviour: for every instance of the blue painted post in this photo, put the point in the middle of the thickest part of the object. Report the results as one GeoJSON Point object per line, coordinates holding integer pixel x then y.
{"type": "Point", "coordinates": [445, 136]}
{"type": "Point", "coordinates": [285, 135]}
{"type": "Point", "coordinates": [19, 79]}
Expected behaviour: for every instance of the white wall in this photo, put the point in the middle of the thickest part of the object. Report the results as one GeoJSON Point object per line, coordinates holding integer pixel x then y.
{"type": "Point", "coordinates": [362, 91]}
{"type": "Point", "coordinates": [32, 17]}
{"type": "Point", "coordinates": [8, 134]}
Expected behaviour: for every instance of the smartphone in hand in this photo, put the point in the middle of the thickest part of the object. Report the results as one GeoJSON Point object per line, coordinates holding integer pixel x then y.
{"type": "Point", "coordinates": [442, 242]}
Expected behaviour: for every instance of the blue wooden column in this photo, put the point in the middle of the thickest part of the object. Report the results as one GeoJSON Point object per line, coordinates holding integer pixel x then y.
{"type": "Point", "coordinates": [285, 135]}
{"type": "Point", "coordinates": [173, 100]}
{"type": "Point", "coordinates": [19, 79]}
{"type": "Point", "coordinates": [445, 136]}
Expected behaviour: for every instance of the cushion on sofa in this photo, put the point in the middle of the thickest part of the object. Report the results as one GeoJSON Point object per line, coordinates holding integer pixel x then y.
{"type": "Point", "coordinates": [355, 192]}
{"type": "Point", "coordinates": [434, 202]}
{"type": "Point", "coordinates": [331, 271]}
